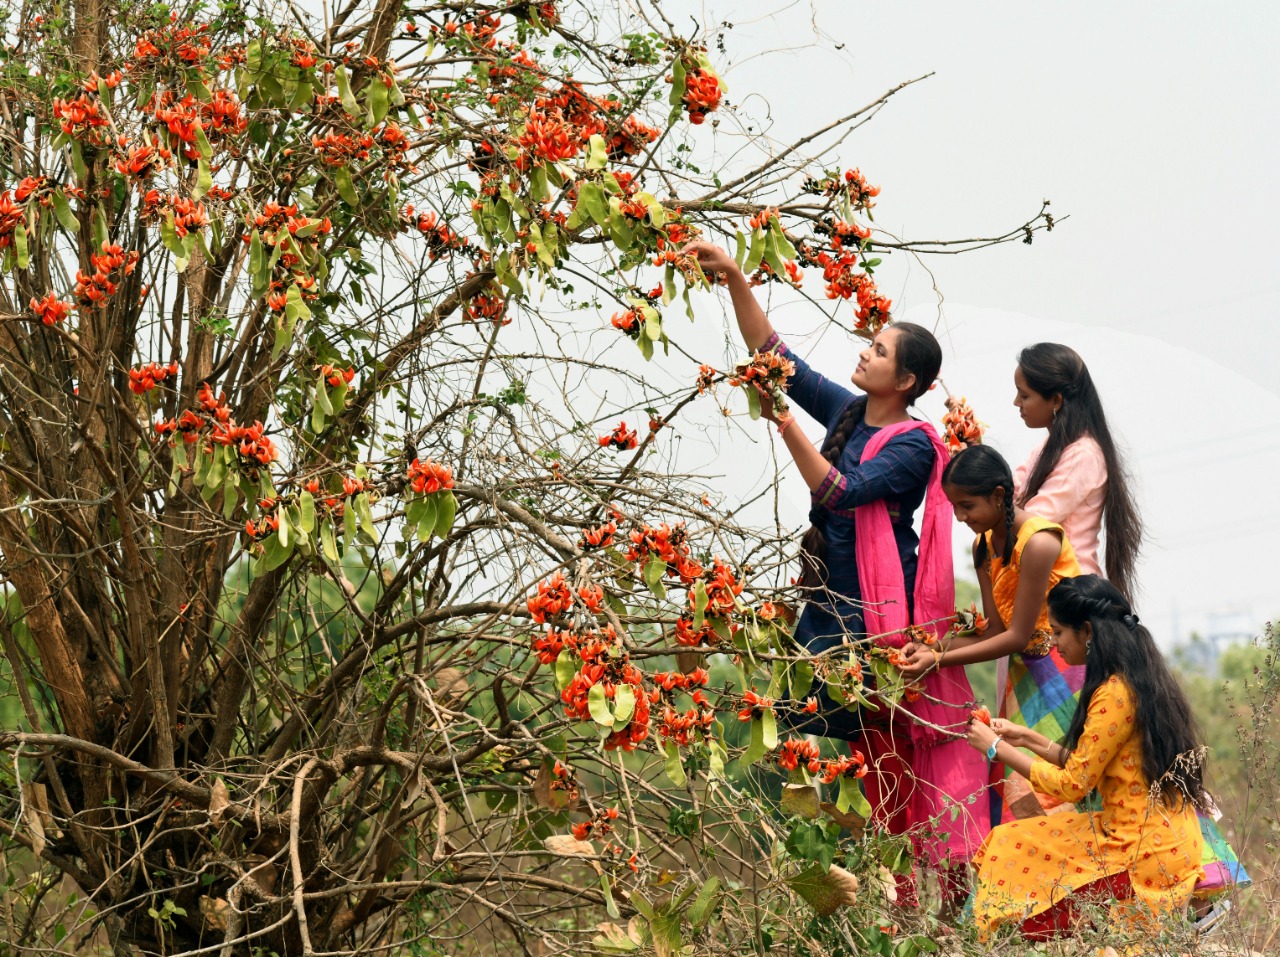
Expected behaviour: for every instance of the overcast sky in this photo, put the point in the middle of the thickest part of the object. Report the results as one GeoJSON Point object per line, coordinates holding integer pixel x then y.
{"type": "Point", "coordinates": [1153, 128]}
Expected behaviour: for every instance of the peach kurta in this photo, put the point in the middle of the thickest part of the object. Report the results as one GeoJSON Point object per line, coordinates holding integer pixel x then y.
{"type": "Point", "coordinates": [1072, 495]}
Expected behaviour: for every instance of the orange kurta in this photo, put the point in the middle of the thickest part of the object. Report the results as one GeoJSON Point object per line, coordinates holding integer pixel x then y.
{"type": "Point", "coordinates": [1026, 866]}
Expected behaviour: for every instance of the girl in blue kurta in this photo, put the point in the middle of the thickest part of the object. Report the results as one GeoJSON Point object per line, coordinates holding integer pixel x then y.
{"type": "Point", "coordinates": [897, 368]}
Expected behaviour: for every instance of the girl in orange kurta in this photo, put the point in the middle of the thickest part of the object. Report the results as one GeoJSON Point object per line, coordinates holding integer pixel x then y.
{"type": "Point", "coordinates": [1018, 557]}
{"type": "Point", "coordinates": [1133, 727]}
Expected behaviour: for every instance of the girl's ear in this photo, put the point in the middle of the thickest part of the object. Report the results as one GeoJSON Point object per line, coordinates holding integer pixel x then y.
{"type": "Point", "coordinates": [1087, 630]}
{"type": "Point", "coordinates": [906, 383]}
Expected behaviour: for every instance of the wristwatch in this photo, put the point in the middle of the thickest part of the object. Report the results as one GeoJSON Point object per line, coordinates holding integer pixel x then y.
{"type": "Point", "coordinates": [991, 751]}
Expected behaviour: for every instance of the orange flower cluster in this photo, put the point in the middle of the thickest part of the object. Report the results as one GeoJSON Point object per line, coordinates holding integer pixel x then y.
{"type": "Point", "coordinates": [702, 92]}
{"type": "Point", "coordinates": [675, 725]}
{"type": "Point", "coordinates": [547, 138]}
{"type": "Point", "coordinates": [631, 139]}
{"type": "Point", "coordinates": [854, 766]}
{"type": "Point", "coordinates": [629, 322]}
{"type": "Point", "coordinates": [667, 543]}
{"type": "Point", "coordinates": [620, 439]}
{"type": "Point", "coordinates": [553, 599]}
{"type": "Point", "coordinates": [141, 161]}
{"type": "Point", "coordinates": [334, 504]}
{"type": "Point", "coordinates": [267, 525]}
{"type": "Point", "coordinates": [796, 752]}
{"type": "Point", "coordinates": [275, 217]}
{"type": "Point", "coordinates": [181, 118]}
{"type": "Point", "coordinates": [969, 622]}
{"type": "Point", "coordinates": [844, 281]}
{"type": "Point", "coordinates": [753, 705]}
{"type": "Point", "coordinates": [852, 183]}
{"type": "Point", "coordinates": [981, 713]}
{"type": "Point", "coordinates": [179, 46]}
{"type": "Point", "coordinates": [188, 216]}
{"type": "Point", "coordinates": [30, 186]}
{"type": "Point", "coordinates": [847, 234]}
{"type": "Point", "coordinates": [427, 478]}
{"type": "Point", "coordinates": [81, 119]}
{"type": "Point", "coordinates": [603, 663]}
{"type": "Point", "coordinates": [50, 310]}
{"type": "Point", "coordinates": [722, 589]}
{"type": "Point", "coordinates": [252, 444]}
{"type": "Point", "coordinates": [765, 273]}
{"type": "Point", "coordinates": [706, 379]}
{"type": "Point", "coordinates": [336, 377]}
{"type": "Point", "coordinates": [599, 537]}
{"type": "Point", "coordinates": [493, 308]}
{"type": "Point", "coordinates": [222, 115]}
{"type": "Point", "coordinates": [441, 240]}
{"type": "Point", "coordinates": [145, 378]}
{"type": "Point", "coordinates": [341, 149]}
{"type": "Point", "coordinates": [770, 371]}
{"type": "Point", "coordinates": [961, 428]}
{"type": "Point", "coordinates": [11, 216]}
{"type": "Point", "coordinates": [598, 827]}
{"type": "Point", "coordinates": [97, 287]}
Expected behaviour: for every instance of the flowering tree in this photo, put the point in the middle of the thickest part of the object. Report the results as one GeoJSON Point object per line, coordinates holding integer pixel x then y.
{"type": "Point", "coordinates": [328, 630]}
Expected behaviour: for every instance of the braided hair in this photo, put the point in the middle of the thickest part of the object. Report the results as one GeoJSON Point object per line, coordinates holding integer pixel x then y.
{"type": "Point", "coordinates": [980, 470]}
{"type": "Point", "coordinates": [1052, 369]}
{"type": "Point", "coordinates": [1121, 645]}
{"type": "Point", "coordinates": [916, 352]}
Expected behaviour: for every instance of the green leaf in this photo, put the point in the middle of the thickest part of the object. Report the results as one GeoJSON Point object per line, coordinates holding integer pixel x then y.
{"type": "Point", "coordinates": [230, 495]}
{"type": "Point", "coordinates": [771, 255]}
{"type": "Point", "coordinates": [285, 531]}
{"type": "Point", "coordinates": [322, 395]}
{"type": "Point", "coordinates": [652, 324]}
{"type": "Point", "coordinates": [566, 668]}
{"type": "Point", "coordinates": [700, 601]}
{"type": "Point", "coordinates": [328, 540]}
{"type": "Point", "coordinates": [704, 906]}
{"type": "Point", "coordinates": [20, 246]}
{"type": "Point", "coordinates": [446, 511]}
{"type": "Point", "coordinates": [674, 766]}
{"type": "Point", "coordinates": [653, 573]}
{"type": "Point", "coordinates": [852, 799]}
{"type": "Point", "coordinates": [62, 209]}
{"type": "Point", "coordinates": [344, 91]}
{"type": "Point", "coordinates": [610, 905]}
{"type": "Point", "coordinates": [277, 553]}
{"type": "Point", "coordinates": [783, 244]}
{"type": "Point", "coordinates": [769, 729]}
{"type": "Point", "coordinates": [77, 161]}
{"type": "Point", "coordinates": [801, 677]}
{"type": "Point", "coordinates": [364, 514]}
{"type": "Point", "coordinates": [676, 96]}
{"type": "Point", "coordinates": [591, 197]}
{"type": "Point", "coordinates": [756, 255]}
{"type": "Point", "coordinates": [755, 749]}
{"type": "Point", "coordinates": [598, 705]}
{"type": "Point", "coordinates": [346, 188]}
{"type": "Point", "coordinates": [204, 180]}
{"type": "Point", "coordinates": [202, 142]}
{"type": "Point", "coordinates": [597, 153]}
{"type": "Point", "coordinates": [427, 523]}
{"type": "Point", "coordinates": [624, 706]}
{"type": "Point", "coordinates": [753, 400]}
{"type": "Point", "coordinates": [306, 511]}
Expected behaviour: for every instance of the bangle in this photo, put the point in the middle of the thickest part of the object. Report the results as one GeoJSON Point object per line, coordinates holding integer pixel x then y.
{"type": "Point", "coordinates": [783, 423]}
{"type": "Point", "coordinates": [937, 656]}
{"type": "Point", "coordinates": [991, 751]}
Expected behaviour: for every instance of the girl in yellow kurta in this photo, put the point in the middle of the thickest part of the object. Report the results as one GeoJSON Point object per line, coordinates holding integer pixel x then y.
{"type": "Point", "coordinates": [1133, 727]}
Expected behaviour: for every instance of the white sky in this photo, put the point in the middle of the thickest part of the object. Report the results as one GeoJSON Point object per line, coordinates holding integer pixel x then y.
{"type": "Point", "coordinates": [1153, 127]}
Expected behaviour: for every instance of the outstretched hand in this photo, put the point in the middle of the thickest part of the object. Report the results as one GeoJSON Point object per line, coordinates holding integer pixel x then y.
{"type": "Point", "coordinates": [920, 661]}
{"type": "Point", "coordinates": [714, 260]}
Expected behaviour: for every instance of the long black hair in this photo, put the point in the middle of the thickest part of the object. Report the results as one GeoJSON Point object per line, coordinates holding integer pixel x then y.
{"type": "Point", "coordinates": [1122, 646]}
{"type": "Point", "coordinates": [1052, 369]}
{"type": "Point", "coordinates": [980, 470]}
{"type": "Point", "coordinates": [916, 352]}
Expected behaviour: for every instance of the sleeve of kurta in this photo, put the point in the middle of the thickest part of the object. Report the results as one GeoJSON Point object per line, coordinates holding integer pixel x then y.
{"type": "Point", "coordinates": [1080, 471]}
{"type": "Point", "coordinates": [901, 466]}
{"type": "Point", "coordinates": [823, 399]}
{"type": "Point", "coordinates": [1107, 727]}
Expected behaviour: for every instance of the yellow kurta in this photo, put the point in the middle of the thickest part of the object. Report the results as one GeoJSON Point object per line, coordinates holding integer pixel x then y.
{"type": "Point", "coordinates": [1024, 867]}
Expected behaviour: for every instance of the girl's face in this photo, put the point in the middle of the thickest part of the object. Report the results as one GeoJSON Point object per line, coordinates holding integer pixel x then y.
{"type": "Point", "coordinates": [1036, 410]}
{"type": "Point", "coordinates": [981, 513]}
{"type": "Point", "coordinates": [1072, 643]}
{"type": "Point", "coordinates": [877, 371]}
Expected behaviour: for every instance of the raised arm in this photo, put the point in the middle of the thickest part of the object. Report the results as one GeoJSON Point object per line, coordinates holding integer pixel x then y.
{"type": "Point", "coordinates": [1107, 726]}
{"type": "Point", "coordinates": [753, 324]}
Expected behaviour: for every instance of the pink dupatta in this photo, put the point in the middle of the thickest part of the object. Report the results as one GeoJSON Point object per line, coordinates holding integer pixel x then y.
{"type": "Point", "coordinates": [885, 594]}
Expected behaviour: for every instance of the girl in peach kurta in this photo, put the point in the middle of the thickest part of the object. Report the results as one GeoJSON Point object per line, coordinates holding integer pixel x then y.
{"type": "Point", "coordinates": [1133, 727]}
{"type": "Point", "coordinates": [1076, 476]}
